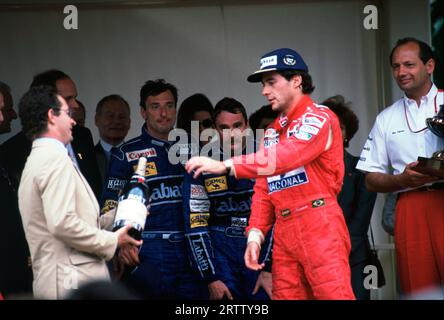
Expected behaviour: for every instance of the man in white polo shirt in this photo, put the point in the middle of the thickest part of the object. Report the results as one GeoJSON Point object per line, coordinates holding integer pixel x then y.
{"type": "Point", "coordinates": [390, 154]}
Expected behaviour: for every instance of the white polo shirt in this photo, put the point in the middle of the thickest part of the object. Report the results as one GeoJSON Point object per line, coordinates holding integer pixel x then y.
{"type": "Point", "coordinates": [392, 145]}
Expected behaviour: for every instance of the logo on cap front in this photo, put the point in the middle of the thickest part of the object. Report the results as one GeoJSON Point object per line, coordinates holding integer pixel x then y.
{"type": "Point", "coordinates": [268, 61]}
{"type": "Point", "coordinates": [289, 60]}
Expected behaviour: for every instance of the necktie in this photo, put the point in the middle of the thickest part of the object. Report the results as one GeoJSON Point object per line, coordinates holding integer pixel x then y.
{"type": "Point", "coordinates": [72, 155]}
{"type": "Point", "coordinates": [110, 153]}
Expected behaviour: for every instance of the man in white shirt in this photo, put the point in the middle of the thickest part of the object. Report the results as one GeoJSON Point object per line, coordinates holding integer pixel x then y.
{"type": "Point", "coordinates": [113, 121]}
{"type": "Point", "coordinates": [390, 154]}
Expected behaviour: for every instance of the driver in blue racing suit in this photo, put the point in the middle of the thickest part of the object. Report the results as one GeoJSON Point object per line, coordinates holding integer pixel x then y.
{"type": "Point", "coordinates": [216, 209]}
{"type": "Point", "coordinates": [162, 267]}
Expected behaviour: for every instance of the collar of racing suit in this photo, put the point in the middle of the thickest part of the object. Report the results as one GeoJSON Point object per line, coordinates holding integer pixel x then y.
{"type": "Point", "coordinates": [155, 141]}
{"type": "Point", "coordinates": [282, 121]}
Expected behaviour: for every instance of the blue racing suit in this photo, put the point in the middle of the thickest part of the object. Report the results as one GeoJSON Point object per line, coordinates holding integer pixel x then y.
{"type": "Point", "coordinates": [217, 209]}
{"type": "Point", "coordinates": [165, 269]}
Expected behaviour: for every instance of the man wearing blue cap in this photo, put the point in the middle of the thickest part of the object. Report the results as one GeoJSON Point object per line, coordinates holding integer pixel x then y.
{"type": "Point", "coordinates": [299, 172]}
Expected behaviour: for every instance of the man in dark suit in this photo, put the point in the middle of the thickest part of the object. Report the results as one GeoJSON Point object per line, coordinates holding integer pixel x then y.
{"type": "Point", "coordinates": [15, 150]}
{"type": "Point", "coordinates": [15, 271]}
{"type": "Point", "coordinates": [113, 121]}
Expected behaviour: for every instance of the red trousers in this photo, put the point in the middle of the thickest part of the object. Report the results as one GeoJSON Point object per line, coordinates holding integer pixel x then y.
{"type": "Point", "coordinates": [310, 254]}
{"type": "Point", "coordinates": [419, 240]}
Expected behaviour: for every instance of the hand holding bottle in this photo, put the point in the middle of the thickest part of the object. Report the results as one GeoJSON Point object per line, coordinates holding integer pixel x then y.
{"type": "Point", "coordinates": [132, 206]}
{"type": "Point", "coordinates": [123, 237]}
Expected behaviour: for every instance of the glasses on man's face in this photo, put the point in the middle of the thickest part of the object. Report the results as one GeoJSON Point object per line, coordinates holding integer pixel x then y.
{"type": "Point", "coordinates": [207, 123]}
{"type": "Point", "coordinates": [68, 111]}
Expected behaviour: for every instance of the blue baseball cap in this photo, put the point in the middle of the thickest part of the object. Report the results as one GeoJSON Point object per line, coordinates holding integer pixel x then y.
{"type": "Point", "coordinates": [280, 59]}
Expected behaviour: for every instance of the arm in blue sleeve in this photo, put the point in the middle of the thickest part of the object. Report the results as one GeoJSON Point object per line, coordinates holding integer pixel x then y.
{"type": "Point", "coordinates": [196, 210]}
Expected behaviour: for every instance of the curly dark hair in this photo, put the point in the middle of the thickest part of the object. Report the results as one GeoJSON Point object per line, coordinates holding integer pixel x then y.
{"type": "Point", "coordinates": [33, 110]}
{"type": "Point", "coordinates": [154, 88]}
{"type": "Point", "coordinates": [346, 116]}
{"type": "Point", "coordinates": [195, 103]}
{"type": "Point", "coordinates": [307, 82]}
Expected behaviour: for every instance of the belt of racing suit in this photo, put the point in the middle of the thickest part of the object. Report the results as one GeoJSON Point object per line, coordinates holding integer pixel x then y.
{"type": "Point", "coordinates": [236, 232]}
{"type": "Point", "coordinates": [286, 212]}
{"type": "Point", "coordinates": [172, 236]}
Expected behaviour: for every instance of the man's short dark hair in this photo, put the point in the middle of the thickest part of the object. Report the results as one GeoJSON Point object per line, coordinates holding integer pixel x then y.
{"type": "Point", "coordinates": [307, 82]}
{"type": "Point", "coordinates": [154, 88]}
{"type": "Point", "coordinates": [346, 116]}
{"type": "Point", "coordinates": [230, 105]}
{"type": "Point", "coordinates": [425, 52]}
{"type": "Point", "coordinates": [111, 97]}
{"type": "Point", "coordinates": [33, 110]}
{"type": "Point", "coordinates": [48, 78]}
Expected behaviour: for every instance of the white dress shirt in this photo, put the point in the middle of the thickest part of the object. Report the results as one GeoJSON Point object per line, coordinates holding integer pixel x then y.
{"type": "Point", "coordinates": [392, 145]}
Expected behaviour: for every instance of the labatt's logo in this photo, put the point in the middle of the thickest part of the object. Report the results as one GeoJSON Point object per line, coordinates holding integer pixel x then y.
{"type": "Point", "coordinates": [200, 250]}
{"type": "Point", "coordinates": [165, 192]}
{"type": "Point", "coordinates": [231, 206]}
{"type": "Point", "coordinates": [216, 184]}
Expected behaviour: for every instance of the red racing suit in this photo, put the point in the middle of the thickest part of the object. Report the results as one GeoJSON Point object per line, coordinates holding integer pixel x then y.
{"type": "Point", "coordinates": [299, 174]}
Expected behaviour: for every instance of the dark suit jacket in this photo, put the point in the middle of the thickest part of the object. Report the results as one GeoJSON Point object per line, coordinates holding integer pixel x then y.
{"type": "Point", "coordinates": [83, 147]}
{"type": "Point", "coordinates": [357, 204]}
{"type": "Point", "coordinates": [15, 273]}
{"type": "Point", "coordinates": [15, 151]}
{"type": "Point", "coordinates": [13, 154]}
{"type": "Point", "coordinates": [102, 161]}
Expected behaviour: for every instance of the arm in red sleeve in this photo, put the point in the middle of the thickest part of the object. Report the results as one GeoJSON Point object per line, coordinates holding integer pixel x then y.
{"type": "Point", "coordinates": [290, 153]}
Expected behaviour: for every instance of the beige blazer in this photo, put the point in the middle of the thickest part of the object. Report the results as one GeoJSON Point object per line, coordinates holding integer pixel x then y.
{"type": "Point", "coordinates": [60, 217]}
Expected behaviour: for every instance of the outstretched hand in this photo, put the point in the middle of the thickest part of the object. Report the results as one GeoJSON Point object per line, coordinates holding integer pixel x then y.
{"type": "Point", "coordinates": [198, 165]}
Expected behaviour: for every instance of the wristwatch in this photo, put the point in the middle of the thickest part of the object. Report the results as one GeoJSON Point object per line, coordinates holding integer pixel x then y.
{"type": "Point", "coordinates": [228, 166]}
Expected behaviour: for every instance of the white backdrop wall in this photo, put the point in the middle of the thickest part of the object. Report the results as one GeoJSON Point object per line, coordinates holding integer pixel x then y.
{"type": "Point", "coordinates": [209, 49]}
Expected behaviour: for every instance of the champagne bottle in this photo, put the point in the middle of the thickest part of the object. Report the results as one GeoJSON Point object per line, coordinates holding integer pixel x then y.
{"type": "Point", "coordinates": [131, 208]}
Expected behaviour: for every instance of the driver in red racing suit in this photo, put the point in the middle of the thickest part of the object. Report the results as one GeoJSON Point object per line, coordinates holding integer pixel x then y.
{"type": "Point", "coordinates": [299, 174]}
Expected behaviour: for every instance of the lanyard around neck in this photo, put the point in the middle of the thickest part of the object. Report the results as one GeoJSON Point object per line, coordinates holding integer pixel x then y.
{"type": "Point", "coordinates": [407, 118]}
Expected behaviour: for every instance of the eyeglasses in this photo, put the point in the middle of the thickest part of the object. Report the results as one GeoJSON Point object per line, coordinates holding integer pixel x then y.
{"type": "Point", "coordinates": [69, 112]}
{"type": "Point", "coordinates": [207, 123]}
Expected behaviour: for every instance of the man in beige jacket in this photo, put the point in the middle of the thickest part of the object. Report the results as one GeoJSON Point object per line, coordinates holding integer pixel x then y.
{"type": "Point", "coordinates": [59, 210]}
